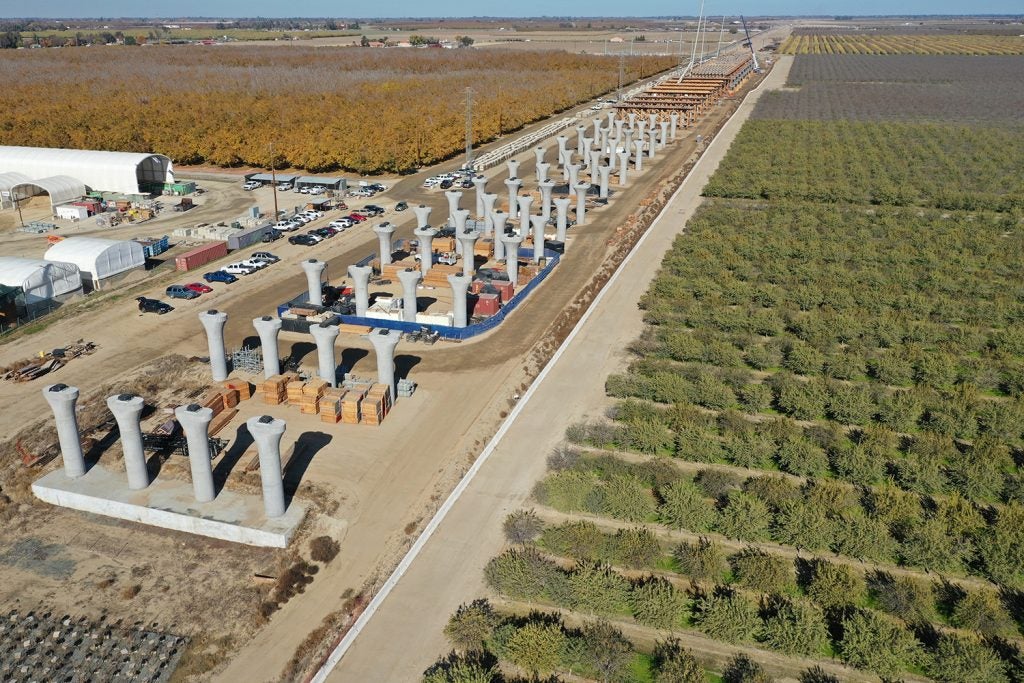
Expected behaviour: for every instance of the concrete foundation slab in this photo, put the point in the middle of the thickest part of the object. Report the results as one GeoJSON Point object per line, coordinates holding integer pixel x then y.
{"type": "Point", "coordinates": [170, 504]}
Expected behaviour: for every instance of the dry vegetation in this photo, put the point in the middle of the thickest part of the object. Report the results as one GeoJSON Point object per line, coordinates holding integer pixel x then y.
{"type": "Point", "coordinates": [901, 44]}
{"type": "Point", "coordinates": [330, 108]}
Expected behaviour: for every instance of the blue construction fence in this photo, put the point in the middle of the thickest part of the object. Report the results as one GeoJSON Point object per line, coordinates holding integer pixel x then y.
{"type": "Point", "coordinates": [551, 260]}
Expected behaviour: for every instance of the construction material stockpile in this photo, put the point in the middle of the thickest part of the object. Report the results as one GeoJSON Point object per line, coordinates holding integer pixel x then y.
{"type": "Point", "coordinates": [357, 403]}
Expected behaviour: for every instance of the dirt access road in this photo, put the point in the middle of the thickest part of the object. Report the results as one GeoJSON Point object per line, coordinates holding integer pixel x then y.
{"type": "Point", "coordinates": [405, 636]}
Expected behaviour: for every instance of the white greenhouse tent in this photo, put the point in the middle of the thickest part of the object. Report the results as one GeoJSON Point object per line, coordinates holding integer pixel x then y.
{"type": "Point", "coordinates": [99, 171]}
{"type": "Point", "coordinates": [60, 188]}
{"type": "Point", "coordinates": [41, 281]}
{"type": "Point", "coordinates": [8, 181]}
{"type": "Point", "coordinates": [97, 258]}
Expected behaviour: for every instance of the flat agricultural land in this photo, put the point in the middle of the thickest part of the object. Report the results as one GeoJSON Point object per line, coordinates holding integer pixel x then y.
{"type": "Point", "coordinates": [815, 43]}
{"type": "Point", "coordinates": [811, 457]}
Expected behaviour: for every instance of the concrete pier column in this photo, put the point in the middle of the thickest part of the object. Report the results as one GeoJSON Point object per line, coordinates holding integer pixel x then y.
{"type": "Point", "coordinates": [461, 216]}
{"type": "Point", "coordinates": [566, 163]}
{"type": "Point", "coordinates": [673, 124]}
{"type": "Point", "coordinates": [410, 278]}
{"type": "Point", "coordinates": [195, 422]}
{"type": "Point", "coordinates": [513, 168]}
{"type": "Point", "coordinates": [538, 223]}
{"type": "Point", "coordinates": [213, 321]}
{"type": "Point", "coordinates": [268, 329]}
{"type": "Point", "coordinates": [639, 158]}
{"type": "Point", "coordinates": [460, 288]}
{"type": "Point", "coordinates": [632, 120]}
{"type": "Point", "coordinates": [425, 237]}
{"type": "Point", "coordinates": [542, 171]}
{"type": "Point", "coordinates": [619, 123]}
{"type": "Point", "coordinates": [325, 334]}
{"type": "Point", "coordinates": [581, 202]}
{"type": "Point", "coordinates": [603, 147]}
{"type": "Point", "coordinates": [500, 223]}
{"type": "Point", "coordinates": [267, 432]}
{"type": "Point", "coordinates": [513, 185]}
{"type": "Point", "coordinates": [574, 174]}
{"type": "Point", "coordinates": [628, 144]}
{"type": "Point", "coordinates": [314, 272]}
{"type": "Point", "coordinates": [562, 217]}
{"type": "Point", "coordinates": [588, 147]}
{"type": "Point", "coordinates": [581, 132]}
{"type": "Point", "coordinates": [603, 172]}
{"type": "Point", "coordinates": [422, 215]}
{"type": "Point", "coordinates": [623, 167]}
{"type": "Point", "coordinates": [562, 141]}
{"type": "Point", "coordinates": [489, 201]}
{"type": "Point", "coordinates": [664, 135]}
{"type": "Point", "coordinates": [641, 129]}
{"type": "Point", "coordinates": [385, 243]}
{"type": "Point", "coordinates": [361, 283]}
{"type": "Point", "coordinates": [524, 213]}
{"type": "Point", "coordinates": [480, 184]}
{"type": "Point", "coordinates": [652, 144]}
{"type": "Point", "coordinates": [468, 238]}
{"type": "Point", "coordinates": [652, 121]}
{"type": "Point", "coordinates": [453, 197]}
{"type": "Point", "coordinates": [512, 243]}
{"type": "Point", "coordinates": [545, 198]}
{"type": "Point", "coordinates": [62, 400]}
{"type": "Point", "coordinates": [538, 155]}
{"type": "Point", "coordinates": [595, 162]}
{"type": "Point", "coordinates": [127, 410]}
{"type": "Point", "coordinates": [611, 118]}
{"type": "Point", "coordinates": [384, 342]}
{"type": "Point", "coordinates": [596, 122]}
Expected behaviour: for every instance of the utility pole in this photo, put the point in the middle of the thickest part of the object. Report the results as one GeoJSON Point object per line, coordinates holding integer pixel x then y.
{"type": "Point", "coordinates": [469, 127]}
{"type": "Point", "coordinates": [273, 180]}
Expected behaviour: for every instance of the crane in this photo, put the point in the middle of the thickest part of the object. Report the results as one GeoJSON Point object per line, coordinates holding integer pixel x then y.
{"type": "Point", "coordinates": [750, 44]}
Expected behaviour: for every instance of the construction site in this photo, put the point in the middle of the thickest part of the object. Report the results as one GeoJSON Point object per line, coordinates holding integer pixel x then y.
{"type": "Point", "coordinates": [333, 405]}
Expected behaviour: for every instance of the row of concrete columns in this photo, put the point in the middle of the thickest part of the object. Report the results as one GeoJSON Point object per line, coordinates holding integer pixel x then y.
{"type": "Point", "coordinates": [195, 422]}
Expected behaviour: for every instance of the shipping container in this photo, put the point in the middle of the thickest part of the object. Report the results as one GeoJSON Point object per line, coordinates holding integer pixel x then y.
{"type": "Point", "coordinates": [201, 256]}
{"type": "Point", "coordinates": [248, 237]}
{"type": "Point", "coordinates": [486, 305]}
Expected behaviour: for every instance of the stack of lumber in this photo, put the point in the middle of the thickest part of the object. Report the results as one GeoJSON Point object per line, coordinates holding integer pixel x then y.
{"type": "Point", "coordinates": [440, 245]}
{"type": "Point", "coordinates": [213, 400]}
{"type": "Point", "coordinates": [229, 397]}
{"type": "Point", "coordinates": [330, 405]}
{"type": "Point", "coordinates": [274, 389]}
{"type": "Point", "coordinates": [527, 273]}
{"type": "Point", "coordinates": [391, 270]}
{"type": "Point", "coordinates": [376, 404]}
{"type": "Point", "coordinates": [243, 388]}
{"type": "Point", "coordinates": [294, 391]}
{"type": "Point", "coordinates": [438, 275]}
{"type": "Point", "coordinates": [484, 247]}
{"type": "Point", "coordinates": [350, 407]}
{"type": "Point", "coordinates": [309, 402]}
{"type": "Point", "coordinates": [346, 328]}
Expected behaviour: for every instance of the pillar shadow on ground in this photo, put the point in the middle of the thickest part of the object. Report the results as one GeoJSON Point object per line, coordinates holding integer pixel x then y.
{"type": "Point", "coordinates": [306, 447]}
{"type": "Point", "coordinates": [403, 364]}
{"type": "Point", "coordinates": [349, 358]}
{"type": "Point", "coordinates": [229, 458]}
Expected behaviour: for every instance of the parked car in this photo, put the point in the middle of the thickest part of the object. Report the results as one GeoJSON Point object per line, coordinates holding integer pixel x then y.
{"type": "Point", "coordinates": [251, 185]}
{"type": "Point", "coordinates": [373, 210]}
{"type": "Point", "coordinates": [326, 231]}
{"type": "Point", "coordinates": [317, 238]}
{"type": "Point", "coordinates": [271, 235]}
{"type": "Point", "coordinates": [312, 214]}
{"type": "Point", "coordinates": [466, 184]}
{"type": "Point", "coordinates": [288, 226]}
{"type": "Point", "coordinates": [357, 217]}
{"type": "Point", "coordinates": [255, 264]}
{"type": "Point", "coordinates": [305, 240]}
{"type": "Point", "coordinates": [341, 223]}
{"type": "Point", "coordinates": [446, 184]}
{"type": "Point", "coordinates": [303, 190]}
{"type": "Point", "coordinates": [239, 269]}
{"type": "Point", "coordinates": [284, 187]}
{"type": "Point", "coordinates": [401, 206]}
{"type": "Point", "coordinates": [265, 256]}
{"type": "Point", "coordinates": [181, 292]}
{"type": "Point", "coordinates": [220, 276]}
{"type": "Point", "coordinates": [153, 306]}
{"type": "Point", "coordinates": [199, 287]}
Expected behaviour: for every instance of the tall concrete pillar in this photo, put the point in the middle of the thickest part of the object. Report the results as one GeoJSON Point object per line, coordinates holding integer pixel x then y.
{"type": "Point", "coordinates": [628, 145]}
{"type": "Point", "coordinates": [62, 399]}
{"type": "Point", "coordinates": [664, 135]}
{"type": "Point", "coordinates": [652, 145]}
{"type": "Point", "coordinates": [542, 171]}
{"type": "Point", "coordinates": [545, 198]}
{"type": "Point", "coordinates": [460, 287]}
{"type": "Point", "coordinates": [453, 205]}
{"type": "Point", "coordinates": [513, 168]}
{"type": "Point", "coordinates": [384, 342]}
{"type": "Point", "coordinates": [500, 218]}
{"type": "Point", "coordinates": [425, 237]}
{"type": "Point", "coordinates": [422, 215]}
{"type": "Point", "coordinates": [468, 238]}
{"type": "Point", "coordinates": [588, 146]}
{"type": "Point", "coordinates": [581, 132]}
{"type": "Point", "coordinates": [619, 123]}
{"type": "Point", "coordinates": [562, 220]}
{"type": "Point", "coordinates": [513, 189]}
{"type": "Point", "coordinates": [639, 158]}
{"type": "Point", "coordinates": [325, 334]}
{"type": "Point", "coordinates": [361, 283]}
{"type": "Point", "coordinates": [314, 272]}
{"type": "Point", "coordinates": [574, 174]}
{"type": "Point", "coordinates": [603, 172]}
{"type": "Point", "coordinates": [566, 163]}
{"type": "Point", "coordinates": [538, 155]}
{"type": "Point", "coordinates": [652, 121]}
{"type": "Point", "coordinates": [632, 120]}
{"type": "Point", "coordinates": [623, 166]}
{"type": "Point", "coordinates": [489, 201]}
{"type": "Point", "coordinates": [268, 328]}
{"type": "Point", "coordinates": [673, 123]}
{"type": "Point", "coordinates": [267, 431]}
{"type": "Point", "coordinates": [480, 183]}
{"type": "Point", "coordinates": [596, 121]}
{"type": "Point", "coordinates": [641, 129]}
{"type": "Point", "coordinates": [595, 162]}
{"type": "Point", "coordinates": [385, 244]}
{"type": "Point", "coordinates": [603, 147]}
{"type": "Point", "coordinates": [524, 214]}
{"type": "Point", "coordinates": [127, 410]}
{"type": "Point", "coordinates": [581, 202]}
{"type": "Point", "coordinates": [611, 118]}
{"type": "Point", "coordinates": [562, 141]}
{"type": "Point", "coordinates": [538, 223]}
{"type": "Point", "coordinates": [410, 277]}
{"type": "Point", "coordinates": [213, 321]}
{"type": "Point", "coordinates": [512, 243]}
{"type": "Point", "coordinates": [195, 422]}
{"type": "Point", "coordinates": [461, 216]}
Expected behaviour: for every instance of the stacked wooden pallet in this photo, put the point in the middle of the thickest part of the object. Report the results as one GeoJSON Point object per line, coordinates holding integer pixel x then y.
{"type": "Point", "coordinates": [376, 404]}
{"type": "Point", "coordinates": [484, 247]}
{"type": "Point", "coordinates": [243, 388]}
{"type": "Point", "coordinates": [440, 245]}
{"type": "Point", "coordinates": [275, 389]}
{"type": "Point", "coordinates": [347, 328]}
{"type": "Point", "coordinates": [350, 408]}
{"type": "Point", "coordinates": [391, 270]}
{"type": "Point", "coordinates": [438, 275]}
{"type": "Point", "coordinates": [309, 402]}
{"type": "Point", "coordinates": [331, 405]}
{"type": "Point", "coordinates": [295, 392]}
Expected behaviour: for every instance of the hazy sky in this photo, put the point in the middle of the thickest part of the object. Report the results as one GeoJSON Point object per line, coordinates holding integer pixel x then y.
{"type": "Point", "coordinates": [438, 8]}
